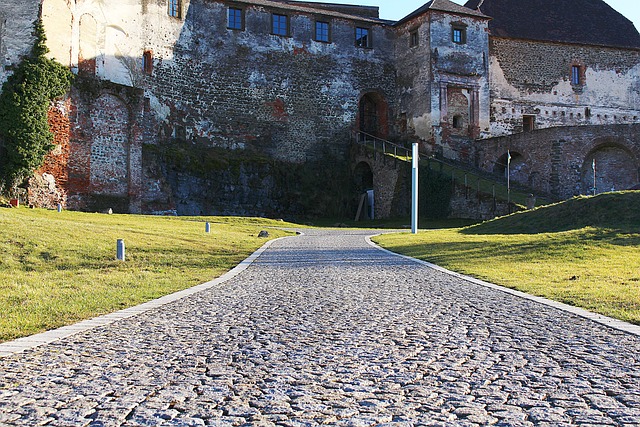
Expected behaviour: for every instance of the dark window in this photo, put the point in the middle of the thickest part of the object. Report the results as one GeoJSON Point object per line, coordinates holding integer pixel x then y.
{"type": "Point", "coordinates": [280, 24]}
{"type": "Point", "coordinates": [528, 123]}
{"type": "Point", "coordinates": [587, 112]}
{"type": "Point", "coordinates": [576, 75]}
{"type": "Point", "coordinates": [363, 38]}
{"type": "Point", "coordinates": [175, 8]}
{"type": "Point", "coordinates": [458, 122]}
{"type": "Point", "coordinates": [414, 39]}
{"type": "Point", "coordinates": [322, 31]}
{"type": "Point", "coordinates": [235, 19]}
{"type": "Point", "coordinates": [459, 34]}
{"type": "Point", "coordinates": [147, 62]}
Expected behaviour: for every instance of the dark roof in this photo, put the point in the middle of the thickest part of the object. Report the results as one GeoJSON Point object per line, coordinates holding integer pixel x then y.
{"type": "Point", "coordinates": [571, 21]}
{"type": "Point", "coordinates": [443, 6]}
{"type": "Point", "coordinates": [309, 7]}
{"type": "Point", "coordinates": [348, 9]}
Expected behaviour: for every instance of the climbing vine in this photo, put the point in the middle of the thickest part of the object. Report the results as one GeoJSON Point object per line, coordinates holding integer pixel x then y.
{"type": "Point", "coordinates": [25, 137]}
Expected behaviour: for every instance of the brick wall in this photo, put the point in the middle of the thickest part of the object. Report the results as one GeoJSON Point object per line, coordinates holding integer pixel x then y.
{"type": "Point", "coordinates": [48, 187]}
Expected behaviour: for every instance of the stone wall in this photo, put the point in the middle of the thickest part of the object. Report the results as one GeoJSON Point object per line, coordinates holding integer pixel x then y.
{"type": "Point", "coordinates": [533, 78]}
{"type": "Point", "coordinates": [288, 97]}
{"type": "Point", "coordinates": [105, 155]}
{"type": "Point", "coordinates": [391, 182]}
{"type": "Point", "coordinates": [558, 161]}
{"type": "Point", "coordinates": [434, 72]}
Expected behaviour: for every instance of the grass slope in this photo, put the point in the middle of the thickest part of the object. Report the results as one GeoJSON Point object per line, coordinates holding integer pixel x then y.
{"type": "Point", "coordinates": [59, 268]}
{"type": "Point", "coordinates": [584, 252]}
{"type": "Point", "coordinates": [618, 211]}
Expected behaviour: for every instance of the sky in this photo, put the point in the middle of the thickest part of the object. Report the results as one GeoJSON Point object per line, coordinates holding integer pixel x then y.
{"type": "Point", "coordinates": [398, 9]}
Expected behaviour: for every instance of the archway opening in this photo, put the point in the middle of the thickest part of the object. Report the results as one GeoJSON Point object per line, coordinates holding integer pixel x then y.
{"type": "Point", "coordinates": [609, 168]}
{"type": "Point", "coordinates": [363, 185]}
{"type": "Point", "coordinates": [514, 168]}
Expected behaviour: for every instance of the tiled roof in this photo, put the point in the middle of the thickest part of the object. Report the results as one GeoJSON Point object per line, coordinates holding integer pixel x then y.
{"type": "Point", "coordinates": [443, 6]}
{"type": "Point", "coordinates": [571, 21]}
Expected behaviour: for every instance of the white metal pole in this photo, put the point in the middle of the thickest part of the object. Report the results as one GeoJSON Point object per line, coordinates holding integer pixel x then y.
{"type": "Point", "coordinates": [508, 181]}
{"type": "Point", "coordinates": [414, 188]}
{"type": "Point", "coordinates": [593, 166]}
{"type": "Point", "coordinates": [120, 251]}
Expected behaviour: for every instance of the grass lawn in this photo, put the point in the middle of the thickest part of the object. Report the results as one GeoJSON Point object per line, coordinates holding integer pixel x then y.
{"type": "Point", "coordinates": [59, 268]}
{"type": "Point", "coordinates": [584, 252]}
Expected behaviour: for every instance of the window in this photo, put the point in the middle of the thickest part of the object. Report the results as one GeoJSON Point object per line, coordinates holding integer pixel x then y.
{"type": "Point", "coordinates": [576, 75]}
{"type": "Point", "coordinates": [458, 122]}
{"type": "Point", "coordinates": [459, 33]}
{"type": "Point", "coordinates": [528, 123]}
{"type": "Point", "coordinates": [235, 19]}
{"type": "Point", "coordinates": [147, 62]}
{"type": "Point", "coordinates": [363, 39]}
{"type": "Point", "coordinates": [322, 31]}
{"type": "Point", "coordinates": [414, 39]}
{"type": "Point", "coordinates": [175, 7]}
{"type": "Point", "coordinates": [280, 24]}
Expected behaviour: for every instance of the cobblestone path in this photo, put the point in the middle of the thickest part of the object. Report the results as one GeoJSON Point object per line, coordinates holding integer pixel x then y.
{"type": "Point", "coordinates": [325, 329]}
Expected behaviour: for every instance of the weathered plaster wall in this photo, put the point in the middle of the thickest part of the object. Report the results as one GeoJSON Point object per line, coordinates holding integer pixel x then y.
{"type": "Point", "coordinates": [534, 78]}
{"type": "Point", "coordinates": [558, 161]}
{"type": "Point", "coordinates": [16, 33]}
{"type": "Point", "coordinates": [440, 81]}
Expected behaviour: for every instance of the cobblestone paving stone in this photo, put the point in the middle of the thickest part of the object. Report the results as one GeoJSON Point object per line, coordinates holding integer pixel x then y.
{"type": "Point", "coordinates": [325, 329]}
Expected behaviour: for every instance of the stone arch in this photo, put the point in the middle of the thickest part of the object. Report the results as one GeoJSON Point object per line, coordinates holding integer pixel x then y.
{"type": "Point", "coordinates": [519, 168]}
{"type": "Point", "coordinates": [88, 49]}
{"type": "Point", "coordinates": [58, 20]}
{"type": "Point", "coordinates": [363, 176]}
{"type": "Point", "coordinates": [110, 147]}
{"type": "Point", "coordinates": [373, 114]}
{"type": "Point", "coordinates": [616, 168]}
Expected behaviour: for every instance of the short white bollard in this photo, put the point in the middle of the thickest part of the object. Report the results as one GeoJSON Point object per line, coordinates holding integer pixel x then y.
{"type": "Point", "coordinates": [207, 227]}
{"type": "Point", "coordinates": [120, 250]}
{"type": "Point", "coordinates": [59, 208]}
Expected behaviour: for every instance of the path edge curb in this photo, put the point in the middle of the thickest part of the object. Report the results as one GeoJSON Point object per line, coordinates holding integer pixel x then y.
{"type": "Point", "coordinates": [22, 344]}
{"type": "Point", "coordinates": [581, 312]}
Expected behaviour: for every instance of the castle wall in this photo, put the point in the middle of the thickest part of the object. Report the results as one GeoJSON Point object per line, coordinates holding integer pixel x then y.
{"type": "Point", "coordinates": [16, 33]}
{"type": "Point", "coordinates": [534, 78]}
{"type": "Point", "coordinates": [558, 161]}
{"type": "Point", "coordinates": [290, 97]}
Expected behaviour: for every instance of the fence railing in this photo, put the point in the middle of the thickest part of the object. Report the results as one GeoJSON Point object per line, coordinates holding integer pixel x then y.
{"type": "Point", "coordinates": [383, 146]}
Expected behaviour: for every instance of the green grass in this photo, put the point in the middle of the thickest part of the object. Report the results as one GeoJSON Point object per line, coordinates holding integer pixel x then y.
{"type": "Point", "coordinates": [59, 268]}
{"type": "Point", "coordinates": [584, 252]}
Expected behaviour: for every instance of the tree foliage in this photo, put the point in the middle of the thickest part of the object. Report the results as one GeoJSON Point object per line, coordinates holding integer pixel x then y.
{"type": "Point", "coordinates": [25, 137]}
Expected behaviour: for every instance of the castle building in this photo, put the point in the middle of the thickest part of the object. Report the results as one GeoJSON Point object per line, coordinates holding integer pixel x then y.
{"type": "Point", "coordinates": [251, 106]}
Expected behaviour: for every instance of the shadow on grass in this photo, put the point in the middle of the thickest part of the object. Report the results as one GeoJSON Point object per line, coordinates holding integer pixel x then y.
{"type": "Point", "coordinates": [619, 211]}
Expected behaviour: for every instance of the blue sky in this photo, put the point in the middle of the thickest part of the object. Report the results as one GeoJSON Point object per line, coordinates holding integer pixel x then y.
{"type": "Point", "coordinates": [397, 9]}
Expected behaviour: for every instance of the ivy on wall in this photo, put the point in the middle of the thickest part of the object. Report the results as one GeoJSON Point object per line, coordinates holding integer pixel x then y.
{"type": "Point", "coordinates": [25, 137]}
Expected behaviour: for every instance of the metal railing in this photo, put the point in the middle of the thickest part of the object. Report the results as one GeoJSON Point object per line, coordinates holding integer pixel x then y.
{"type": "Point", "coordinates": [474, 180]}
{"type": "Point", "coordinates": [382, 145]}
